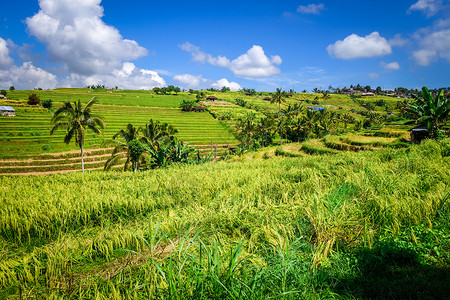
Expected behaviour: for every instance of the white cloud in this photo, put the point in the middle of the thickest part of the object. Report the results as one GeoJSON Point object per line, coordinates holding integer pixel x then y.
{"type": "Point", "coordinates": [254, 63]}
{"type": "Point", "coordinates": [234, 86]}
{"type": "Point", "coordinates": [373, 75]}
{"type": "Point", "coordinates": [434, 44]}
{"type": "Point", "coordinates": [190, 81]}
{"type": "Point", "coordinates": [313, 9]}
{"type": "Point", "coordinates": [398, 41]}
{"type": "Point", "coordinates": [27, 76]}
{"type": "Point", "coordinates": [429, 7]}
{"type": "Point", "coordinates": [393, 66]}
{"type": "Point", "coordinates": [75, 35]}
{"type": "Point", "coordinates": [355, 46]}
{"type": "Point", "coordinates": [128, 77]}
{"type": "Point", "coordinates": [5, 60]}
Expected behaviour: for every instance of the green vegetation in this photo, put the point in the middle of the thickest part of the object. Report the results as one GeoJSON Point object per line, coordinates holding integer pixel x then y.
{"type": "Point", "coordinates": [353, 225]}
{"type": "Point", "coordinates": [316, 204]}
{"type": "Point", "coordinates": [77, 120]}
{"type": "Point", "coordinates": [431, 111]}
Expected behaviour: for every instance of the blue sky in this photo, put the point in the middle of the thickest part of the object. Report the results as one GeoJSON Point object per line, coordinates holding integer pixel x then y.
{"type": "Point", "coordinates": [201, 44]}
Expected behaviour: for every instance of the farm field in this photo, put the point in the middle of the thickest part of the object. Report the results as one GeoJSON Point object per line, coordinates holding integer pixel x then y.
{"type": "Point", "coordinates": [350, 225]}
{"type": "Point", "coordinates": [27, 137]}
{"type": "Point", "coordinates": [355, 213]}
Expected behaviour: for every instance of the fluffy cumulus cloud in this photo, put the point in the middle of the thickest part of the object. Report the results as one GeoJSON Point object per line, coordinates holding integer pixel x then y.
{"type": "Point", "coordinates": [434, 44]}
{"type": "Point", "coordinates": [234, 86]}
{"type": "Point", "coordinates": [127, 77]}
{"type": "Point", "coordinates": [313, 9]}
{"type": "Point", "coordinates": [355, 46]}
{"type": "Point", "coordinates": [27, 76]}
{"type": "Point", "coordinates": [393, 66]}
{"type": "Point", "coordinates": [5, 60]}
{"type": "Point", "coordinates": [75, 35]}
{"type": "Point", "coordinates": [252, 64]}
{"type": "Point", "coordinates": [190, 81]}
{"type": "Point", "coordinates": [429, 7]}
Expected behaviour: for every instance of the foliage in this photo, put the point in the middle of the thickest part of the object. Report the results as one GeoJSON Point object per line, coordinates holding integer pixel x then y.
{"type": "Point", "coordinates": [187, 105]}
{"type": "Point", "coordinates": [166, 90]}
{"type": "Point", "coordinates": [3, 92]}
{"type": "Point", "coordinates": [77, 120]}
{"type": "Point", "coordinates": [350, 226]}
{"type": "Point", "coordinates": [225, 89]}
{"type": "Point", "coordinates": [33, 99]}
{"type": "Point", "coordinates": [47, 103]}
{"type": "Point", "coordinates": [431, 111]}
{"type": "Point", "coordinates": [12, 88]}
{"type": "Point", "coordinates": [241, 102]}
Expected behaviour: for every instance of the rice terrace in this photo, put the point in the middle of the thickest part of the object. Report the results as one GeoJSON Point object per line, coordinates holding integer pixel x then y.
{"type": "Point", "coordinates": [239, 150]}
{"type": "Point", "coordinates": [346, 206]}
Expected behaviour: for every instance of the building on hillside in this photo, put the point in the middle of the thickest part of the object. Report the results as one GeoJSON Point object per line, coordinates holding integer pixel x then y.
{"type": "Point", "coordinates": [7, 111]}
{"type": "Point", "coordinates": [368, 94]}
{"type": "Point", "coordinates": [3, 96]}
{"type": "Point", "coordinates": [316, 108]}
{"type": "Point", "coordinates": [212, 98]}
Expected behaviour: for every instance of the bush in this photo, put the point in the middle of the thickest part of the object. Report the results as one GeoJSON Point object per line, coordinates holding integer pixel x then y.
{"type": "Point", "coordinates": [3, 92]}
{"type": "Point", "coordinates": [46, 147]}
{"type": "Point", "coordinates": [33, 99]}
{"type": "Point", "coordinates": [47, 103]}
{"type": "Point", "coordinates": [187, 105]}
{"type": "Point", "coordinates": [445, 147]}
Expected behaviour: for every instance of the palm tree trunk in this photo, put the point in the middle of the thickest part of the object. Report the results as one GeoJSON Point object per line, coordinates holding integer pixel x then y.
{"type": "Point", "coordinates": [82, 157]}
{"type": "Point", "coordinates": [279, 116]}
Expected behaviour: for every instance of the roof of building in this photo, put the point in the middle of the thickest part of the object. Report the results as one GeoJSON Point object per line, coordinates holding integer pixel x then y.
{"type": "Point", "coordinates": [7, 108]}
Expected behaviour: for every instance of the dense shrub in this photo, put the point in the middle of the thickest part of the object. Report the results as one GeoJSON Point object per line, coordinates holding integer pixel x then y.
{"type": "Point", "coordinates": [47, 103]}
{"type": "Point", "coordinates": [33, 99]}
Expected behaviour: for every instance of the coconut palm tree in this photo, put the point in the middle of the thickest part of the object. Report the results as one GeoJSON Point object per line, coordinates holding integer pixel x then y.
{"type": "Point", "coordinates": [154, 132]}
{"type": "Point", "coordinates": [431, 110]}
{"type": "Point", "coordinates": [279, 97]}
{"type": "Point", "coordinates": [130, 145]}
{"type": "Point", "coordinates": [77, 120]}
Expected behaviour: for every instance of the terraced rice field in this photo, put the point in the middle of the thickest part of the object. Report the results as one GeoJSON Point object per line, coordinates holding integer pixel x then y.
{"type": "Point", "coordinates": [26, 138]}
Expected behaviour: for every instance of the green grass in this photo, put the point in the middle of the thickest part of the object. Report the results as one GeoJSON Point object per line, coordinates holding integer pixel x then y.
{"type": "Point", "coordinates": [286, 227]}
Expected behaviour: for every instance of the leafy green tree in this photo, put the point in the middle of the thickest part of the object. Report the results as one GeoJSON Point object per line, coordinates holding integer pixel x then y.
{"type": "Point", "coordinates": [246, 128]}
{"type": "Point", "coordinates": [77, 120]}
{"type": "Point", "coordinates": [431, 111]}
{"type": "Point", "coordinates": [279, 97]}
{"type": "Point", "coordinates": [3, 92]}
{"type": "Point", "coordinates": [12, 88]}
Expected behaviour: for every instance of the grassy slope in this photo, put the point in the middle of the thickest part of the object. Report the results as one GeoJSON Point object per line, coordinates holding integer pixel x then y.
{"type": "Point", "coordinates": [28, 133]}
{"type": "Point", "coordinates": [376, 225]}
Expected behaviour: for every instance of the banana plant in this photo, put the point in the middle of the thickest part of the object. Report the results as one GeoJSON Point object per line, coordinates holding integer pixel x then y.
{"type": "Point", "coordinates": [430, 110]}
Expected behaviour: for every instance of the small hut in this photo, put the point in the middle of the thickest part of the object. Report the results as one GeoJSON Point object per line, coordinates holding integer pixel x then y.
{"type": "Point", "coordinates": [211, 98]}
{"type": "Point", "coordinates": [419, 133]}
{"type": "Point", "coordinates": [7, 111]}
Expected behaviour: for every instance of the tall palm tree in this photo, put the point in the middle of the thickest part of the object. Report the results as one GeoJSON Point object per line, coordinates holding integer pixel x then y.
{"type": "Point", "coordinates": [279, 97]}
{"type": "Point", "coordinates": [77, 120]}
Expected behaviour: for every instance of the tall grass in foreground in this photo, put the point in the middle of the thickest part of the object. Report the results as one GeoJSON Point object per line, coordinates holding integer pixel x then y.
{"type": "Point", "coordinates": [281, 227]}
